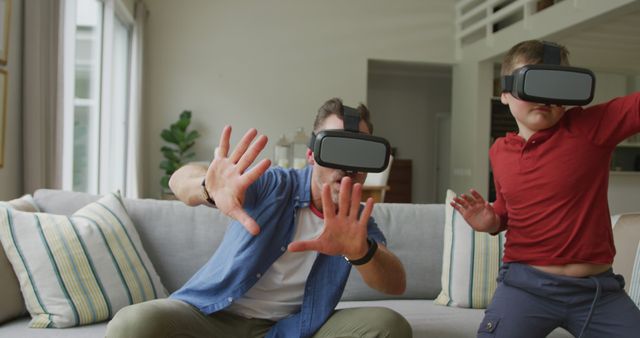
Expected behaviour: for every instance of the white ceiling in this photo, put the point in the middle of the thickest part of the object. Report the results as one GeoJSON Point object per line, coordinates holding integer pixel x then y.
{"type": "Point", "coordinates": [609, 44]}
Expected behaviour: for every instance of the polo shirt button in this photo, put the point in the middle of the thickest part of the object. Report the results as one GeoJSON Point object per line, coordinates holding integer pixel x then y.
{"type": "Point", "coordinates": [534, 142]}
{"type": "Point", "coordinates": [283, 249]}
{"type": "Point", "coordinates": [258, 275]}
{"type": "Point", "coordinates": [230, 299]}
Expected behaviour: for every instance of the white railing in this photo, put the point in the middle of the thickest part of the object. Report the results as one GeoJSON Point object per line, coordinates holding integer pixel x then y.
{"type": "Point", "coordinates": [480, 19]}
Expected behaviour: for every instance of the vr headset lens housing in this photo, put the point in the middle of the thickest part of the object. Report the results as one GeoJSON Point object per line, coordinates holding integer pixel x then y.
{"type": "Point", "coordinates": [551, 84]}
{"type": "Point", "coordinates": [351, 151]}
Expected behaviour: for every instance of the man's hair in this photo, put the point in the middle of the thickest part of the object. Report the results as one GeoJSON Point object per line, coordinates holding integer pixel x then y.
{"type": "Point", "coordinates": [334, 107]}
{"type": "Point", "coordinates": [529, 52]}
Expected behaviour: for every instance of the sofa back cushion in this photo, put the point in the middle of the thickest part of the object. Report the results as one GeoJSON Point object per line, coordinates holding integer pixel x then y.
{"type": "Point", "coordinates": [180, 239]}
{"type": "Point", "coordinates": [414, 234]}
{"type": "Point", "coordinates": [177, 238]}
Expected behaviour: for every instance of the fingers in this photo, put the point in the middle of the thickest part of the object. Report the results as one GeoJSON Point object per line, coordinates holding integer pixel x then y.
{"type": "Point", "coordinates": [366, 212]}
{"type": "Point", "coordinates": [477, 196]}
{"type": "Point", "coordinates": [297, 246]}
{"type": "Point", "coordinates": [328, 208]}
{"type": "Point", "coordinates": [356, 195]}
{"type": "Point", "coordinates": [223, 147]}
{"type": "Point", "coordinates": [257, 171]}
{"type": "Point", "coordinates": [242, 146]}
{"type": "Point", "coordinates": [246, 220]}
{"type": "Point", "coordinates": [248, 156]}
{"type": "Point", "coordinates": [343, 196]}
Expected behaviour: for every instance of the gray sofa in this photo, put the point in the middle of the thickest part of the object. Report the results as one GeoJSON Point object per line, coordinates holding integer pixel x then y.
{"type": "Point", "coordinates": [179, 239]}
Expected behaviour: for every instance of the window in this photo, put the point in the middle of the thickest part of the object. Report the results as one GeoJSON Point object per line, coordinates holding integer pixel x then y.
{"type": "Point", "coordinates": [102, 49]}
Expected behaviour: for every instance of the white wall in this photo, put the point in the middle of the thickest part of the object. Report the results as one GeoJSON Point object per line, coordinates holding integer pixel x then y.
{"type": "Point", "coordinates": [271, 64]}
{"type": "Point", "coordinates": [11, 172]}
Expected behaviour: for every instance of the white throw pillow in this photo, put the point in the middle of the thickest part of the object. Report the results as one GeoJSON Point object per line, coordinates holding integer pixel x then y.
{"type": "Point", "coordinates": [81, 269]}
{"type": "Point", "coordinates": [12, 302]}
{"type": "Point", "coordinates": [634, 283]}
{"type": "Point", "coordinates": [470, 263]}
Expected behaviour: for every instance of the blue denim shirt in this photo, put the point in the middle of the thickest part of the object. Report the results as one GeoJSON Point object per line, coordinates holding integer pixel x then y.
{"type": "Point", "coordinates": [241, 259]}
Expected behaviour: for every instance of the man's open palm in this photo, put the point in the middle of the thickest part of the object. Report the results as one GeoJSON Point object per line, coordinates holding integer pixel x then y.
{"type": "Point", "coordinates": [345, 232]}
{"type": "Point", "coordinates": [227, 178]}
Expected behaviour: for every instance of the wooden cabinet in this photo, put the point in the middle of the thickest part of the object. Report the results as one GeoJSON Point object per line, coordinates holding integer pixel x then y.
{"type": "Point", "coordinates": [400, 180]}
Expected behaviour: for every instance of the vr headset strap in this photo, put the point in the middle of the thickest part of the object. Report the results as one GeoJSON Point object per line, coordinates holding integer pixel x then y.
{"type": "Point", "coordinates": [550, 53]}
{"type": "Point", "coordinates": [351, 119]}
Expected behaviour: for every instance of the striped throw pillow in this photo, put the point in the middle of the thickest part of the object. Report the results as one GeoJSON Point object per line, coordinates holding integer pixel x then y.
{"type": "Point", "coordinates": [12, 303]}
{"type": "Point", "coordinates": [634, 283]}
{"type": "Point", "coordinates": [470, 262]}
{"type": "Point", "coordinates": [81, 269]}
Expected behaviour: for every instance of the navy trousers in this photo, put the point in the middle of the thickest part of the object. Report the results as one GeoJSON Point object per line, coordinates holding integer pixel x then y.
{"type": "Point", "coordinates": [529, 303]}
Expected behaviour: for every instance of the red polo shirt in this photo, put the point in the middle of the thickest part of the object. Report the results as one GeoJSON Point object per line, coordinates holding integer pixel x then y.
{"type": "Point", "coordinates": [551, 191]}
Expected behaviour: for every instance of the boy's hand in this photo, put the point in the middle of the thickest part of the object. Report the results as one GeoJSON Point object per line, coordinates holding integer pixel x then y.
{"type": "Point", "coordinates": [226, 179]}
{"type": "Point", "coordinates": [344, 232]}
{"type": "Point", "coordinates": [477, 212]}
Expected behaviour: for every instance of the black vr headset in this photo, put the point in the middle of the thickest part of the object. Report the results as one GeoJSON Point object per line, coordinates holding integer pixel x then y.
{"type": "Point", "coordinates": [349, 149]}
{"type": "Point", "coordinates": [551, 83]}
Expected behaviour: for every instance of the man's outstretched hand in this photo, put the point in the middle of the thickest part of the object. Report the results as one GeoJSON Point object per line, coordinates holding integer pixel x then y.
{"type": "Point", "coordinates": [344, 232]}
{"type": "Point", "coordinates": [227, 178]}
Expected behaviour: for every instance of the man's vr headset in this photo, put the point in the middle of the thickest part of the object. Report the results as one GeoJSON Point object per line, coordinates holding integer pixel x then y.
{"type": "Point", "coordinates": [551, 83]}
{"type": "Point", "coordinates": [349, 149]}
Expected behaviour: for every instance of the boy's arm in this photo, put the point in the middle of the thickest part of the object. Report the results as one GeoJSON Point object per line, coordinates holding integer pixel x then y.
{"type": "Point", "coordinates": [610, 123]}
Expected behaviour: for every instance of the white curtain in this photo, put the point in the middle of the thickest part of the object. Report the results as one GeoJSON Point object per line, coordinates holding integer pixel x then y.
{"type": "Point", "coordinates": [133, 175]}
{"type": "Point", "coordinates": [42, 119]}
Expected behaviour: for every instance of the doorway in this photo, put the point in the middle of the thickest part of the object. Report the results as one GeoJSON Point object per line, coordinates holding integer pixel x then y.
{"type": "Point", "coordinates": [406, 100]}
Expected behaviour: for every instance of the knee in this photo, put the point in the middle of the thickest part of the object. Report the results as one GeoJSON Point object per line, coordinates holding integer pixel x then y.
{"type": "Point", "coordinates": [139, 320]}
{"type": "Point", "coordinates": [392, 322]}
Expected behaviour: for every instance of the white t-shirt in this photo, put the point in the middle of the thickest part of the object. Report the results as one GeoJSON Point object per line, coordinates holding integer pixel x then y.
{"type": "Point", "coordinates": [280, 290]}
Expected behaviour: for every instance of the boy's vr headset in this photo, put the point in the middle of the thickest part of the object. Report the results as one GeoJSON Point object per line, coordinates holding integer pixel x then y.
{"type": "Point", "coordinates": [551, 83]}
{"type": "Point", "coordinates": [349, 149]}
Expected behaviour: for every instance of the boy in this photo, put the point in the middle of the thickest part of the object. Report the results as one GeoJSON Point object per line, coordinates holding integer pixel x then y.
{"type": "Point", "coordinates": [551, 194]}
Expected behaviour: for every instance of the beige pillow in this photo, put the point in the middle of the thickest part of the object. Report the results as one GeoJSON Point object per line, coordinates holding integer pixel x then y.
{"type": "Point", "coordinates": [470, 262]}
{"type": "Point", "coordinates": [12, 302]}
{"type": "Point", "coordinates": [80, 269]}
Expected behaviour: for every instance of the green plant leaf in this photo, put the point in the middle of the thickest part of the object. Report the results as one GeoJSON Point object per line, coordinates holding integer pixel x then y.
{"type": "Point", "coordinates": [177, 135]}
{"type": "Point", "coordinates": [184, 121]}
{"type": "Point", "coordinates": [169, 136]}
{"type": "Point", "coordinates": [171, 155]}
{"type": "Point", "coordinates": [186, 114]}
{"type": "Point", "coordinates": [185, 146]}
{"type": "Point", "coordinates": [192, 136]}
{"type": "Point", "coordinates": [164, 182]}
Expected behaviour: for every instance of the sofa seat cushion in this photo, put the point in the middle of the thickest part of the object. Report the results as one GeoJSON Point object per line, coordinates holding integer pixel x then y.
{"type": "Point", "coordinates": [430, 320]}
{"type": "Point", "coordinates": [20, 328]}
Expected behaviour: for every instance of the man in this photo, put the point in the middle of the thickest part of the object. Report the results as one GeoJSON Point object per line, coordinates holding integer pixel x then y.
{"type": "Point", "coordinates": [283, 264]}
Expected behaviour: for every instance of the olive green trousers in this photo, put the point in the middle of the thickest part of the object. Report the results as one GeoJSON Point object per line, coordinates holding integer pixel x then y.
{"type": "Point", "coordinates": [174, 318]}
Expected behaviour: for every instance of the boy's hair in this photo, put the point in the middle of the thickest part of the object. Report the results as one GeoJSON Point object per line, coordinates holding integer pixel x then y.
{"type": "Point", "coordinates": [529, 52]}
{"type": "Point", "coordinates": [334, 107]}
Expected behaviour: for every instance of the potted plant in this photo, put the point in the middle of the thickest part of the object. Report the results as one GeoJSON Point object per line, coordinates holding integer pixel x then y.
{"type": "Point", "coordinates": [177, 153]}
